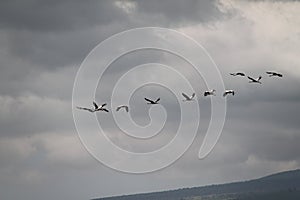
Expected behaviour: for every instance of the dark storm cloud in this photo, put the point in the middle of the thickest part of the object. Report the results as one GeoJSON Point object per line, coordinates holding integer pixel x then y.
{"type": "Point", "coordinates": [53, 50]}
{"type": "Point", "coordinates": [59, 33]}
{"type": "Point", "coordinates": [51, 16]}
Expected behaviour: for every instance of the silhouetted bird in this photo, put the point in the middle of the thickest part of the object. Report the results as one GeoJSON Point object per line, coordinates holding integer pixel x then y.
{"type": "Point", "coordinates": [237, 74]}
{"type": "Point", "coordinates": [96, 108]}
{"type": "Point", "coordinates": [228, 92]}
{"type": "Point", "coordinates": [187, 98]}
{"type": "Point", "coordinates": [253, 80]}
{"type": "Point", "coordinates": [209, 92]}
{"type": "Point", "coordinates": [123, 106]}
{"type": "Point", "coordinates": [151, 101]}
{"type": "Point", "coordinates": [274, 74]}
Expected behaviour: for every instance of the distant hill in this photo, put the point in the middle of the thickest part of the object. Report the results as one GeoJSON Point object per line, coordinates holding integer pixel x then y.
{"type": "Point", "coordinates": [284, 185]}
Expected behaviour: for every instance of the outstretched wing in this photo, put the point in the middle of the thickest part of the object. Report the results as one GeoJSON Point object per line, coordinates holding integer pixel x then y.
{"type": "Point", "coordinates": [81, 108]}
{"type": "Point", "coordinates": [95, 105]}
{"type": "Point", "coordinates": [252, 79]}
{"type": "Point", "coordinates": [104, 109]}
{"type": "Point", "coordinates": [270, 72]}
{"type": "Point", "coordinates": [193, 95]}
{"type": "Point", "coordinates": [259, 78]}
{"type": "Point", "coordinates": [103, 105]}
{"type": "Point", "coordinates": [185, 96]}
{"type": "Point", "coordinates": [123, 106]}
{"type": "Point", "coordinates": [232, 74]}
{"type": "Point", "coordinates": [157, 100]}
{"type": "Point", "coordinates": [150, 101]}
{"type": "Point", "coordinates": [224, 94]}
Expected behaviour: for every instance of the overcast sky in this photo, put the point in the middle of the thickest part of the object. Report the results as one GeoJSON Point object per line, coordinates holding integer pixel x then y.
{"type": "Point", "coordinates": [42, 44]}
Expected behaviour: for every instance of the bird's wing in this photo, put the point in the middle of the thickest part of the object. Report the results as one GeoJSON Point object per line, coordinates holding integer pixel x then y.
{"type": "Point", "coordinates": [193, 95]}
{"type": "Point", "coordinates": [242, 74]}
{"type": "Point", "coordinates": [232, 74]}
{"type": "Point", "coordinates": [259, 78]}
{"type": "Point", "coordinates": [269, 72]}
{"type": "Point", "coordinates": [252, 79]}
{"type": "Point", "coordinates": [95, 105]}
{"type": "Point", "coordinates": [82, 108]}
{"type": "Point", "coordinates": [103, 105]}
{"type": "Point", "coordinates": [126, 108]}
{"type": "Point", "coordinates": [157, 100]}
{"type": "Point", "coordinates": [104, 109]}
{"type": "Point", "coordinates": [118, 108]}
{"type": "Point", "coordinates": [185, 96]}
{"type": "Point", "coordinates": [149, 100]}
{"type": "Point", "coordinates": [224, 94]}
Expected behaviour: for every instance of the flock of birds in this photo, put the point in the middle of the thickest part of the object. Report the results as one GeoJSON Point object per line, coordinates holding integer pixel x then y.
{"type": "Point", "coordinates": [186, 97]}
{"type": "Point", "coordinates": [256, 80]}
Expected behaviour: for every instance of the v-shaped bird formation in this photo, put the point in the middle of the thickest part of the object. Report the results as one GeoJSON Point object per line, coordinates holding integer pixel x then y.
{"type": "Point", "coordinates": [187, 98]}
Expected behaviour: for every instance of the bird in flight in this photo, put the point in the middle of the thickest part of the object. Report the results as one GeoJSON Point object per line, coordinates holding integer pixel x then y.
{"type": "Point", "coordinates": [96, 108]}
{"type": "Point", "coordinates": [274, 74]}
{"type": "Point", "coordinates": [149, 101]}
{"type": "Point", "coordinates": [209, 92]}
{"type": "Point", "coordinates": [238, 74]}
{"type": "Point", "coordinates": [228, 92]}
{"type": "Point", "coordinates": [124, 107]}
{"type": "Point", "coordinates": [253, 80]}
{"type": "Point", "coordinates": [187, 98]}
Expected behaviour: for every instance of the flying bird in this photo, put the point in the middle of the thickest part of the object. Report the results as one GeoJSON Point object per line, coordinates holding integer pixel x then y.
{"type": "Point", "coordinates": [187, 98]}
{"type": "Point", "coordinates": [149, 101]}
{"type": "Point", "coordinates": [209, 92]}
{"type": "Point", "coordinates": [274, 74]}
{"type": "Point", "coordinates": [124, 107]}
{"type": "Point", "coordinates": [228, 92]}
{"type": "Point", "coordinates": [253, 80]}
{"type": "Point", "coordinates": [237, 74]}
{"type": "Point", "coordinates": [96, 108]}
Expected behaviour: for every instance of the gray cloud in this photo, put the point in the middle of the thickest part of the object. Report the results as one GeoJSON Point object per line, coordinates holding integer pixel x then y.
{"type": "Point", "coordinates": [43, 43]}
{"type": "Point", "coordinates": [49, 16]}
{"type": "Point", "coordinates": [59, 33]}
{"type": "Point", "coordinates": [179, 13]}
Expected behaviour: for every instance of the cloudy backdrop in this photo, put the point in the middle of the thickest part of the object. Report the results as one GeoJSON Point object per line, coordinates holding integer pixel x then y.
{"type": "Point", "coordinates": [42, 44]}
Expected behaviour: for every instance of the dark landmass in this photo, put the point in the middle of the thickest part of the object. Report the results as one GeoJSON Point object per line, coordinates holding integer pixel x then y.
{"type": "Point", "coordinates": [284, 185]}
